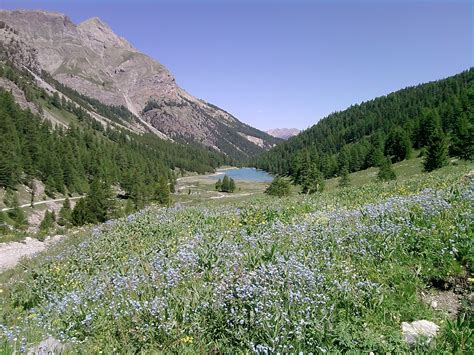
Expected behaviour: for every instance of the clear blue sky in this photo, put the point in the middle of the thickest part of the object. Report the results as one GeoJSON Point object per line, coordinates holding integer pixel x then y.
{"type": "Point", "coordinates": [289, 63]}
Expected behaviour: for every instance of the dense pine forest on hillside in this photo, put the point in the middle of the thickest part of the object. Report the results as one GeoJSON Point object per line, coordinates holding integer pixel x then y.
{"type": "Point", "coordinates": [68, 160]}
{"type": "Point", "coordinates": [432, 117]}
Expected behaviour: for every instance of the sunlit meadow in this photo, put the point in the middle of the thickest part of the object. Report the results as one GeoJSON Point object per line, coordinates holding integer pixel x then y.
{"type": "Point", "coordinates": [338, 271]}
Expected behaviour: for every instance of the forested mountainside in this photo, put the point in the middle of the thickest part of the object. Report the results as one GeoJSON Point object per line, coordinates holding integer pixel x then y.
{"type": "Point", "coordinates": [438, 114]}
{"type": "Point", "coordinates": [68, 158]}
{"type": "Point", "coordinates": [98, 64]}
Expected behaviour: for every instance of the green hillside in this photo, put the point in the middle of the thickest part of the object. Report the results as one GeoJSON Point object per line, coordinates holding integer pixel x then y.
{"type": "Point", "coordinates": [438, 113]}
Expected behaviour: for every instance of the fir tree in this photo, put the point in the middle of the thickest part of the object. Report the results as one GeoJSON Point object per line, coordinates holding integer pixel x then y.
{"type": "Point", "coordinates": [344, 180]}
{"type": "Point", "coordinates": [386, 172]}
{"type": "Point", "coordinates": [225, 184]}
{"type": "Point", "coordinates": [80, 214]}
{"type": "Point", "coordinates": [47, 223]}
{"type": "Point", "coordinates": [11, 198]}
{"type": "Point", "coordinates": [462, 145]}
{"type": "Point", "coordinates": [231, 185]}
{"type": "Point", "coordinates": [65, 213]}
{"type": "Point", "coordinates": [279, 187]}
{"type": "Point", "coordinates": [398, 145]}
{"type": "Point", "coordinates": [436, 152]}
{"type": "Point", "coordinates": [313, 180]}
{"type": "Point", "coordinates": [162, 192]}
{"type": "Point", "coordinates": [99, 201]}
{"type": "Point", "coordinates": [218, 185]}
{"type": "Point", "coordinates": [55, 100]}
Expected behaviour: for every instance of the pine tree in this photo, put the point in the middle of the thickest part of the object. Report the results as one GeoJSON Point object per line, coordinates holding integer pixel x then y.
{"type": "Point", "coordinates": [462, 145]}
{"type": "Point", "coordinates": [344, 180]}
{"type": "Point", "coordinates": [231, 185]}
{"type": "Point", "coordinates": [47, 223]}
{"type": "Point", "coordinates": [429, 123]}
{"type": "Point", "coordinates": [162, 192]}
{"type": "Point", "coordinates": [279, 187]}
{"type": "Point", "coordinates": [50, 187]}
{"type": "Point", "coordinates": [219, 185]}
{"type": "Point", "coordinates": [386, 172]}
{"type": "Point", "coordinates": [15, 213]}
{"type": "Point", "coordinates": [99, 201]}
{"type": "Point", "coordinates": [80, 214]}
{"type": "Point", "coordinates": [65, 213]}
{"type": "Point", "coordinates": [225, 184]}
{"type": "Point", "coordinates": [313, 181]}
{"type": "Point", "coordinates": [55, 100]}
{"type": "Point", "coordinates": [11, 198]}
{"type": "Point", "coordinates": [437, 151]}
{"type": "Point", "coordinates": [398, 145]}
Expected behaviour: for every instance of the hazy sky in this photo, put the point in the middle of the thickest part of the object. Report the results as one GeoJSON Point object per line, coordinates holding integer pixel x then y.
{"type": "Point", "coordinates": [289, 63]}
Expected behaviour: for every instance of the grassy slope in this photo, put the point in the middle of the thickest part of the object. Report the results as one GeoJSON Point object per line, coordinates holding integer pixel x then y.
{"type": "Point", "coordinates": [338, 271]}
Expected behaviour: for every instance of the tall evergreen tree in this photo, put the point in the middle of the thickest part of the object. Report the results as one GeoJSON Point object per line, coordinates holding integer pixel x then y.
{"type": "Point", "coordinates": [231, 185]}
{"type": "Point", "coordinates": [225, 184]}
{"type": "Point", "coordinates": [65, 213]}
{"type": "Point", "coordinates": [398, 145]}
{"type": "Point", "coordinates": [462, 143]}
{"type": "Point", "coordinates": [162, 192]}
{"type": "Point", "coordinates": [437, 151]}
{"type": "Point", "coordinates": [81, 214]}
{"type": "Point", "coordinates": [344, 180]}
{"type": "Point", "coordinates": [313, 180]}
{"type": "Point", "coordinates": [48, 222]}
{"type": "Point", "coordinates": [100, 202]}
{"type": "Point", "coordinates": [279, 187]}
{"type": "Point", "coordinates": [386, 172]}
{"type": "Point", "coordinates": [218, 185]}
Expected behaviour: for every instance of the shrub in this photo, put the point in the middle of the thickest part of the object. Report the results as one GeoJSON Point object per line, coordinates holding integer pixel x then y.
{"type": "Point", "coordinates": [279, 187]}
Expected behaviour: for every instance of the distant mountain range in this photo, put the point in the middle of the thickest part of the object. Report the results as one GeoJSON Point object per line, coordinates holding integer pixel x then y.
{"type": "Point", "coordinates": [283, 133]}
{"type": "Point", "coordinates": [91, 59]}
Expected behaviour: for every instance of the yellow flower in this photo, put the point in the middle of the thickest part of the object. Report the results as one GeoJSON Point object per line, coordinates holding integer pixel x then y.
{"type": "Point", "coordinates": [187, 339]}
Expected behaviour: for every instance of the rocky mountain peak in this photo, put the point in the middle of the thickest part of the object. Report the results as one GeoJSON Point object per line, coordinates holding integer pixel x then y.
{"type": "Point", "coordinates": [283, 133]}
{"type": "Point", "coordinates": [37, 23]}
{"type": "Point", "coordinates": [99, 32]}
{"type": "Point", "coordinates": [93, 60]}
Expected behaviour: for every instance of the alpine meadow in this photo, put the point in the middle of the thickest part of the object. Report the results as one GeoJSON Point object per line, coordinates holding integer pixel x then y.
{"type": "Point", "coordinates": [136, 217]}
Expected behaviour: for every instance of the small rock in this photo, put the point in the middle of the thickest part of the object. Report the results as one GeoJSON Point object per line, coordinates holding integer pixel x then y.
{"type": "Point", "coordinates": [420, 329]}
{"type": "Point", "coordinates": [48, 346]}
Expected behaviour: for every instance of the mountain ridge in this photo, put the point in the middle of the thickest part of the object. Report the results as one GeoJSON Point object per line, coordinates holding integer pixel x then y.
{"type": "Point", "coordinates": [91, 59]}
{"type": "Point", "coordinates": [283, 133]}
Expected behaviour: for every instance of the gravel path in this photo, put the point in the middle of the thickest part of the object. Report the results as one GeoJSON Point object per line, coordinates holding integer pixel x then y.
{"type": "Point", "coordinates": [12, 252]}
{"type": "Point", "coordinates": [42, 202]}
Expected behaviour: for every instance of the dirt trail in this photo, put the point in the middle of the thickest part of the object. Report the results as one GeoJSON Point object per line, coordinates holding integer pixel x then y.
{"type": "Point", "coordinates": [42, 203]}
{"type": "Point", "coordinates": [12, 252]}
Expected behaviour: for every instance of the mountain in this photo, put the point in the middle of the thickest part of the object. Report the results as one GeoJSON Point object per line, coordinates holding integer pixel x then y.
{"type": "Point", "coordinates": [97, 63]}
{"type": "Point", "coordinates": [283, 133]}
{"type": "Point", "coordinates": [362, 135]}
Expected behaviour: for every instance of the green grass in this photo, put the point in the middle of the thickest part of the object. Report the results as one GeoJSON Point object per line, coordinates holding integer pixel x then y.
{"type": "Point", "coordinates": [60, 115]}
{"type": "Point", "coordinates": [334, 272]}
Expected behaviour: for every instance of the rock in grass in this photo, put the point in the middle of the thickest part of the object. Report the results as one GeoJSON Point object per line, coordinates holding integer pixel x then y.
{"type": "Point", "coordinates": [419, 330]}
{"type": "Point", "coordinates": [47, 346]}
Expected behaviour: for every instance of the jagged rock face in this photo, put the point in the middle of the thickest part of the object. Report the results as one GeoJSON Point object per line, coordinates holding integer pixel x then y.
{"type": "Point", "coordinates": [93, 60]}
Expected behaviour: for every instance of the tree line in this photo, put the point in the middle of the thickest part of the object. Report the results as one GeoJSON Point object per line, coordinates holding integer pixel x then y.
{"type": "Point", "coordinates": [436, 118]}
